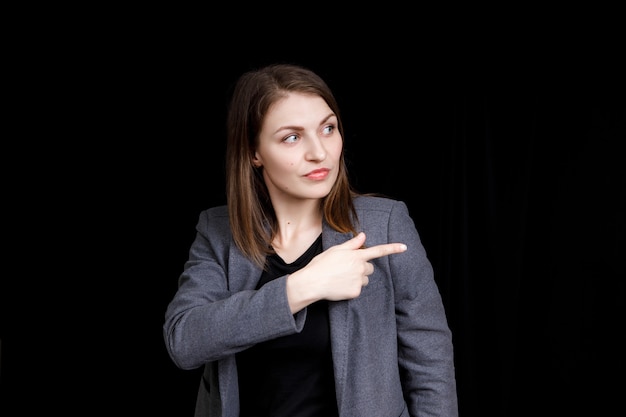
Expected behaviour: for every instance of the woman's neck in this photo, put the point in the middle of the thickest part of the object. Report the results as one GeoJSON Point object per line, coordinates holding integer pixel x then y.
{"type": "Point", "coordinates": [298, 227]}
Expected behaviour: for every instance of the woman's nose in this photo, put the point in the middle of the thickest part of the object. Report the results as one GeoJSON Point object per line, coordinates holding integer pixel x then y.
{"type": "Point", "coordinates": [316, 150]}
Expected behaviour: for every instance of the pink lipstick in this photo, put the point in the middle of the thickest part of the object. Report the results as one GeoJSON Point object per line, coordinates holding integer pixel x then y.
{"type": "Point", "coordinates": [318, 174]}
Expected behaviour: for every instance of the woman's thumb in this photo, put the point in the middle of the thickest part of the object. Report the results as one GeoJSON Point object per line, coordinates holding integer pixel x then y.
{"type": "Point", "coordinates": [356, 242]}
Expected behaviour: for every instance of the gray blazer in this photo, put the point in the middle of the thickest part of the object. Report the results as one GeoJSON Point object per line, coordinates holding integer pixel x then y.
{"type": "Point", "coordinates": [391, 346]}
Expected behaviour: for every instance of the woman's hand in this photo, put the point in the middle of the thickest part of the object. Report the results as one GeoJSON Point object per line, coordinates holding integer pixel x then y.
{"type": "Point", "coordinates": [339, 273]}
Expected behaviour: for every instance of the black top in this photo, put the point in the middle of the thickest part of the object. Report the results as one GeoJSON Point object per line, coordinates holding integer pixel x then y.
{"type": "Point", "coordinates": [291, 376]}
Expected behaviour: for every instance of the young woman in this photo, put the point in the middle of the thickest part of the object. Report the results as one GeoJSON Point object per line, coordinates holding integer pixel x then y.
{"type": "Point", "coordinates": [302, 297]}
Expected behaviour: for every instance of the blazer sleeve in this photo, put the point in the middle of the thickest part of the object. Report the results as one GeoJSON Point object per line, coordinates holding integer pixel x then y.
{"type": "Point", "coordinates": [425, 350]}
{"type": "Point", "coordinates": [216, 312]}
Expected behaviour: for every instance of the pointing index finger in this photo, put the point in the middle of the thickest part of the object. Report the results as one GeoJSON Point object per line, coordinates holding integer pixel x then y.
{"type": "Point", "coordinates": [379, 251]}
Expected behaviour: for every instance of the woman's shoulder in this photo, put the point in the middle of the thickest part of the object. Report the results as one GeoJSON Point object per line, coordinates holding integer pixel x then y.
{"type": "Point", "coordinates": [217, 211]}
{"type": "Point", "coordinates": [381, 217]}
{"type": "Point", "coordinates": [215, 218]}
{"type": "Point", "coordinates": [368, 202]}
{"type": "Point", "coordinates": [373, 209]}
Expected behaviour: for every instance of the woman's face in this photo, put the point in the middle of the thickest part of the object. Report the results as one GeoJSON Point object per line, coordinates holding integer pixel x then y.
{"type": "Point", "coordinates": [299, 148]}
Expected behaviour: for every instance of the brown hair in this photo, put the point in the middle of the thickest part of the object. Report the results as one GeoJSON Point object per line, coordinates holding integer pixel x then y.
{"type": "Point", "coordinates": [252, 218]}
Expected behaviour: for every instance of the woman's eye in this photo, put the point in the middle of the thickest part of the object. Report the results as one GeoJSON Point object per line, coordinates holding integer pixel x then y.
{"type": "Point", "coordinates": [290, 138]}
{"type": "Point", "coordinates": [329, 129]}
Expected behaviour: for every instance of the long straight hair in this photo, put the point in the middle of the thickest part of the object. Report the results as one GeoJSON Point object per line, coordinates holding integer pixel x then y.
{"type": "Point", "coordinates": [252, 217]}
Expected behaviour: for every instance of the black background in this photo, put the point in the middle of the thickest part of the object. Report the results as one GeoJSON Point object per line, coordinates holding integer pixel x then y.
{"type": "Point", "coordinates": [507, 150]}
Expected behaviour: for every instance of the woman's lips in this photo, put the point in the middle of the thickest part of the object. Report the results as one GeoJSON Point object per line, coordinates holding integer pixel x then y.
{"type": "Point", "coordinates": [318, 174]}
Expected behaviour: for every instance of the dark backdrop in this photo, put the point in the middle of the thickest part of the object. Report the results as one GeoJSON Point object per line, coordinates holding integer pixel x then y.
{"type": "Point", "coordinates": [511, 164]}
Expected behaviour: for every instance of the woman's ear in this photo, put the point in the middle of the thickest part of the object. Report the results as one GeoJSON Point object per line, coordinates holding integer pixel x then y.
{"type": "Point", "coordinates": [255, 161]}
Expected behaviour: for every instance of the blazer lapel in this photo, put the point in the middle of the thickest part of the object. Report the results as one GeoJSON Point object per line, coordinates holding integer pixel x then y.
{"type": "Point", "coordinates": [338, 314]}
{"type": "Point", "coordinates": [243, 274]}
